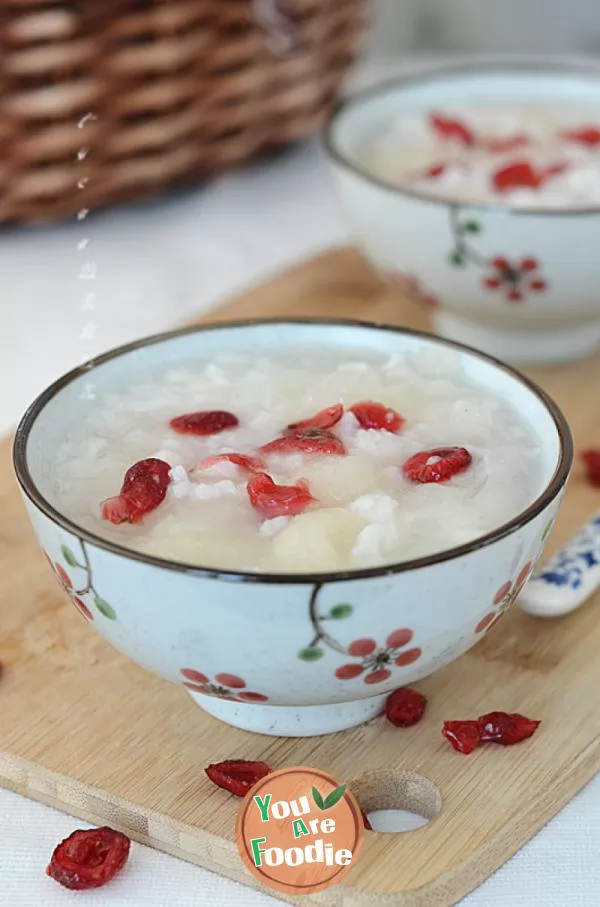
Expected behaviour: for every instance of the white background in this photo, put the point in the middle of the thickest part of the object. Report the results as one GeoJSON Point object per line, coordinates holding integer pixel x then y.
{"type": "Point", "coordinates": [156, 265]}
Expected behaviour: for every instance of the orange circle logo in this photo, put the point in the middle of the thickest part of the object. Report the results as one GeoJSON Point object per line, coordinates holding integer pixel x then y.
{"type": "Point", "coordinates": [299, 831]}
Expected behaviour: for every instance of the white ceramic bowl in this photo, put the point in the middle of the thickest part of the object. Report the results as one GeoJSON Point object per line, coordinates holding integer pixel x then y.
{"type": "Point", "coordinates": [294, 655]}
{"type": "Point", "coordinates": [443, 252]}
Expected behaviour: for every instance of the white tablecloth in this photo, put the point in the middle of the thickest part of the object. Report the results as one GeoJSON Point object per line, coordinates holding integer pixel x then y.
{"type": "Point", "coordinates": [154, 266]}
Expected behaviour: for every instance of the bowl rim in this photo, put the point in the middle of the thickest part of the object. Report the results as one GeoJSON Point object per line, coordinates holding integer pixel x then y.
{"type": "Point", "coordinates": [438, 73]}
{"type": "Point", "coordinates": [31, 491]}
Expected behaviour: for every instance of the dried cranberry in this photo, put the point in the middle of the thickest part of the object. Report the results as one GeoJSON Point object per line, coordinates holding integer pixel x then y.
{"type": "Point", "coordinates": [451, 129]}
{"type": "Point", "coordinates": [405, 707]}
{"type": "Point", "coordinates": [516, 176]}
{"type": "Point", "coordinates": [375, 415]}
{"type": "Point", "coordinates": [446, 462]}
{"type": "Point", "coordinates": [272, 500]}
{"type": "Point", "coordinates": [250, 464]}
{"type": "Point", "coordinates": [307, 441]}
{"type": "Point", "coordinates": [587, 135]}
{"type": "Point", "coordinates": [463, 736]}
{"type": "Point", "coordinates": [325, 418]}
{"type": "Point", "coordinates": [522, 174]}
{"type": "Point", "coordinates": [591, 459]}
{"type": "Point", "coordinates": [116, 510]}
{"type": "Point", "coordinates": [144, 489]}
{"type": "Point", "coordinates": [237, 775]}
{"type": "Point", "coordinates": [89, 859]}
{"type": "Point", "coordinates": [210, 422]}
{"type": "Point", "coordinates": [505, 728]}
{"type": "Point", "coordinates": [496, 727]}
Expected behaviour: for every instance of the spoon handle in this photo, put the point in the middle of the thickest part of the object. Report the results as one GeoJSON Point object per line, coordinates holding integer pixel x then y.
{"type": "Point", "coordinates": [569, 578]}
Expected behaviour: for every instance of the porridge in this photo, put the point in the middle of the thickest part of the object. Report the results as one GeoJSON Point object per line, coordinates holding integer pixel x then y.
{"type": "Point", "coordinates": [316, 463]}
{"type": "Point", "coordinates": [524, 155]}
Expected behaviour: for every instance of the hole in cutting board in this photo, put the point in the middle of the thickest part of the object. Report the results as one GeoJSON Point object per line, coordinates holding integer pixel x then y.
{"type": "Point", "coordinates": [397, 801]}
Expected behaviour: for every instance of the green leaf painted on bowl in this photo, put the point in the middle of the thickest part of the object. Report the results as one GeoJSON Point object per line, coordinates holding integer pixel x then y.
{"type": "Point", "coordinates": [312, 653]}
{"type": "Point", "coordinates": [457, 259]}
{"type": "Point", "coordinates": [68, 556]}
{"type": "Point", "coordinates": [471, 226]}
{"type": "Point", "coordinates": [104, 608]}
{"type": "Point", "coordinates": [340, 611]}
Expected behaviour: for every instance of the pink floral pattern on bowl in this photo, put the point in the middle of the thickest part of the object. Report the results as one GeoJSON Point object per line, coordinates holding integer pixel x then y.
{"type": "Point", "coordinates": [504, 598]}
{"type": "Point", "coordinates": [87, 589]}
{"type": "Point", "coordinates": [224, 686]}
{"type": "Point", "coordinates": [514, 279]}
{"type": "Point", "coordinates": [376, 661]}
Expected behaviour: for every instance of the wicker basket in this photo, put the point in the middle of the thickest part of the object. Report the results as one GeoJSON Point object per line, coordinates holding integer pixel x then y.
{"type": "Point", "coordinates": [108, 100]}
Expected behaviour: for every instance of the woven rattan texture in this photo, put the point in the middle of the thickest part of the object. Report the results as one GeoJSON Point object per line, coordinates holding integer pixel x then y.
{"type": "Point", "coordinates": [104, 101]}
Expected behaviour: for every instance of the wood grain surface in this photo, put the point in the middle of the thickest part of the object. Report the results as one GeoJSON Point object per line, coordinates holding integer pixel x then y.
{"type": "Point", "coordinates": [86, 730]}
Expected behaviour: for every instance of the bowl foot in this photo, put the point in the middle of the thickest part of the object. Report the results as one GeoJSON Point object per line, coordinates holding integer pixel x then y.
{"type": "Point", "coordinates": [536, 346]}
{"type": "Point", "coordinates": [292, 721]}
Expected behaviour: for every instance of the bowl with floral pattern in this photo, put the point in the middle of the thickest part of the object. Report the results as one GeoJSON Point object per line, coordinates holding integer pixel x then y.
{"type": "Point", "coordinates": [288, 654]}
{"type": "Point", "coordinates": [513, 275]}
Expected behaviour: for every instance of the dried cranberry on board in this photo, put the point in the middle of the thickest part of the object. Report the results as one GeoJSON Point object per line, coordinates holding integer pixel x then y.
{"type": "Point", "coordinates": [405, 707]}
{"type": "Point", "coordinates": [210, 422]}
{"type": "Point", "coordinates": [437, 465]}
{"type": "Point", "coordinates": [325, 418]}
{"type": "Point", "coordinates": [237, 775]}
{"type": "Point", "coordinates": [591, 459]}
{"type": "Point", "coordinates": [271, 500]}
{"type": "Point", "coordinates": [89, 859]}
{"type": "Point", "coordinates": [373, 415]}
{"type": "Point", "coordinates": [245, 462]}
{"type": "Point", "coordinates": [463, 736]}
{"type": "Point", "coordinates": [505, 728]}
{"type": "Point", "coordinates": [144, 489]}
{"type": "Point", "coordinates": [307, 441]}
{"type": "Point", "coordinates": [447, 128]}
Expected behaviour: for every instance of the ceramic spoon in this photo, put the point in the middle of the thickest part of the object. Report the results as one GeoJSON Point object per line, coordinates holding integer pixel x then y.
{"type": "Point", "coordinates": [569, 578]}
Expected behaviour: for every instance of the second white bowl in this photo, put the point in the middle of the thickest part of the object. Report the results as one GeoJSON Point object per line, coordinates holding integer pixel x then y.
{"type": "Point", "coordinates": [444, 253]}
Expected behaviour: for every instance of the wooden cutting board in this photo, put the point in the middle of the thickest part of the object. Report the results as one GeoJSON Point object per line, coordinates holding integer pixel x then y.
{"type": "Point", "coordinates": [84, 729]}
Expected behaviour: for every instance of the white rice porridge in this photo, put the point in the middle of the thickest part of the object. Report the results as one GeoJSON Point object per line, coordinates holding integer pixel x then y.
{"type": "Point", "coordinates": [523, 155]}
{"type": "Point", "coordinates": [364, 510]}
